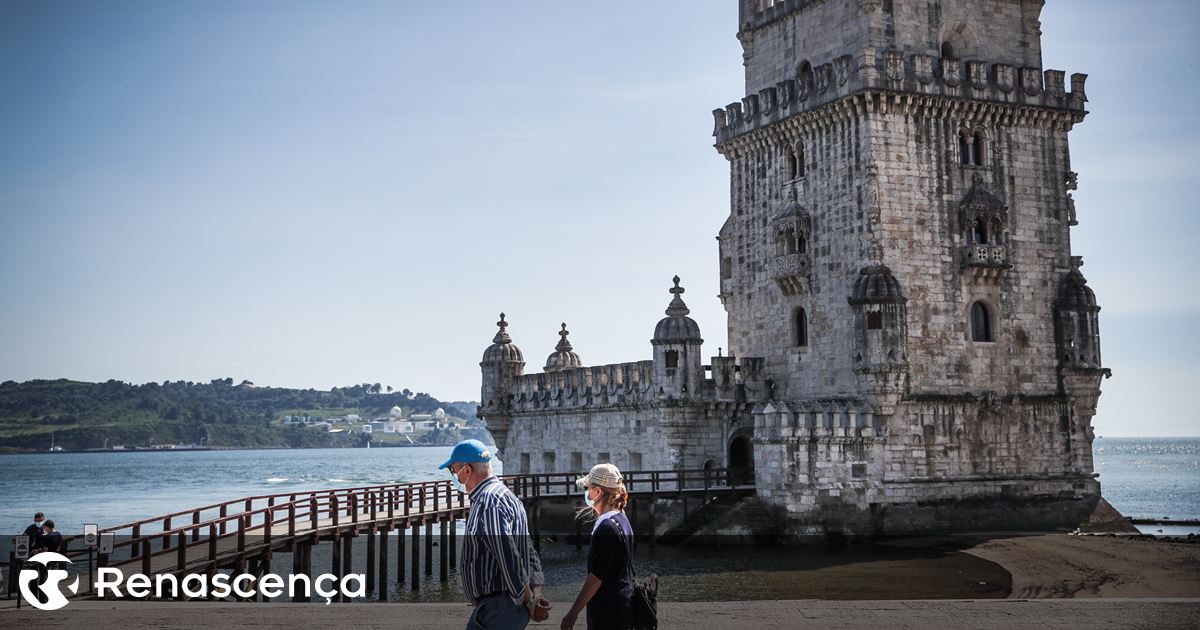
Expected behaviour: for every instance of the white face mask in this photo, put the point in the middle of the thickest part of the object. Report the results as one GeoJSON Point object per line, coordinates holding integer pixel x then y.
{"type": "Point", "coordinates": [459, 485]}
{"type": "Point", "coordinates": [587, 498]}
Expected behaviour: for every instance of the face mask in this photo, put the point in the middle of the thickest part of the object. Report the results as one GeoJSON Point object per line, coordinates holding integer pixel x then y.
{"type": "Point", "coordinates": [587, 498]}
{"type": "Point", "coordinates": [458, 485]}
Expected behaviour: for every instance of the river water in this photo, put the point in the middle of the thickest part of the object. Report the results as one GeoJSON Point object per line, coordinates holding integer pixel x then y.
{"type": "Point", "coordinates": [1140, 477]}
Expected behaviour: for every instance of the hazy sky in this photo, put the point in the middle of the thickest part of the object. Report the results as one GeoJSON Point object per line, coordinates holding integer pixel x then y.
{"type": "Point", "coordinates": [310, 194]}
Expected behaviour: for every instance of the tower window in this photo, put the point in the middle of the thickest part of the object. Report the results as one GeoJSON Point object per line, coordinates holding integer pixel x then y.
{"type": "Point", "coordinates": [790, 166]}
{"type": "Point", "coordinates": [874, 320]}
{"type": "Point", "coordinates": [799, 154]}
{"type": "Point", "coordinates": [964, 148]}
{"type": "Point", "coordinates": [977, 145]}
{"type": "Point", "coordinates": [980, 232]}
{"type": "Point", "coordinates": [726, 268]}
{"type": "Point", "coordinates": [672, 358]}
{"type": "Point", "coordinates": [981, 323]}
{"type": "Point", "coordinates": [947, 50]}
{"type": "Point", "coordinates": [800, 322]}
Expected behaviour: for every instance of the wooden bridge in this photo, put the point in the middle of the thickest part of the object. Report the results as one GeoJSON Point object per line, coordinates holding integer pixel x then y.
{"type": "Point", "coordinates": [245, 533]}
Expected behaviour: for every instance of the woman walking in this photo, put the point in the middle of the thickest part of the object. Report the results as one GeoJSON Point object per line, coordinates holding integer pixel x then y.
{"type": "Point", "coordinates": [607, 592]}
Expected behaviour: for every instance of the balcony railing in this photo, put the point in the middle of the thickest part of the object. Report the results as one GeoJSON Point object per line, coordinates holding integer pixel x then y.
{"type": "Point", "coordinates": [791, 271]}
{"type": "Point", "coordinates": [976, 255]}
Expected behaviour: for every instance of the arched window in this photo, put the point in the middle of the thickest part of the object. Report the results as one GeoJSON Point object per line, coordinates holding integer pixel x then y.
{"type": "Point", "coordinates": [979, 233]}
{"type": "Point", "coordinates": [801, 244]}
{"type": "Point", "coordinates": [947, 50]}
{"type": "Point", "coordinates": [790, 165]}
{"type": "Point", "coordinates": [800, 159]}
{"type": "Point", "coordinates": [978, 141]}
{"type": "Point", "coordinates": [964, 147]}
{"type": "Point", "coordinates": [800, 323]}
{"type": "Point", "coordinates": [874, 320]}
{"type": "Point", "coordinates": [672, 358]}
{"type": "Point", "coordinates": [981, 323]}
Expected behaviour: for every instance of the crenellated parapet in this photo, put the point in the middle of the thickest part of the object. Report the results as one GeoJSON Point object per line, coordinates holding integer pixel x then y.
{"type": "Point", "coordinates": [894, 71]}
{"type": "Point", "coordinates": [614, 384]}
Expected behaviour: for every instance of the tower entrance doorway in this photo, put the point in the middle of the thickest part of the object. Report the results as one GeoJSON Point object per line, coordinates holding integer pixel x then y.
{"type": "Point", "coordinates": [741, 460]}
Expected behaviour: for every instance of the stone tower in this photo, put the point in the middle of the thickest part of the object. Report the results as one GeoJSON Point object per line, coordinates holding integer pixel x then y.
{"type": "Point", "coordinates": [898, 253]}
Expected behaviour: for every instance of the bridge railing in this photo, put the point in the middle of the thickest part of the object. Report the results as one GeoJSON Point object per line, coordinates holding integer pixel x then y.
{"type": "Point", "coordinates": [652, 482]}
{"type": "Point", "coordinates": [260, 515]}
{"type": "Point", "coordinates": [257, 517]}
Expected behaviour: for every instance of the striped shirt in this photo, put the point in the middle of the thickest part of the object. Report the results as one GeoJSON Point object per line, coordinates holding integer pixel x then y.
{"type": "Point", "coordinates": [497, 554]}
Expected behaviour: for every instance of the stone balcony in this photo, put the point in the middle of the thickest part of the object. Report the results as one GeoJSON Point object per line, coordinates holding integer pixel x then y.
{"type": "Point", "coordinates": [986, 261]}
{"type": "Point", "coordinates": [791, 272]}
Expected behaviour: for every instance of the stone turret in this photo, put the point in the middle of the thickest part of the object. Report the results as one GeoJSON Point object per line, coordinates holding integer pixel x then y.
{"type": "Point", "coordinates": [678, 366]}
{"type": "Point", "coordinates": [502, 364]}
{"type": "Point", "coordinates": [564, 356]}
{"type": "Point", "coordinates": [881, 349]}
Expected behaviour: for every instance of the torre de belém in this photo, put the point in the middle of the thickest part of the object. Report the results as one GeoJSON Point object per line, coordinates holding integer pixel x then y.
{"type": "Point", "coordinates": [912, 346]}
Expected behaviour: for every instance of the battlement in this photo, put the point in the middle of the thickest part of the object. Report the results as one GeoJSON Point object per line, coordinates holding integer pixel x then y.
{"type": "Point", "coordinates": [759, 13]}
{"type": "Point", "coordinates": [617, 383]}
{"type": "Point", "coordinates": [634, 383]}
{"type": "Point", "coordinates": [896, 71]}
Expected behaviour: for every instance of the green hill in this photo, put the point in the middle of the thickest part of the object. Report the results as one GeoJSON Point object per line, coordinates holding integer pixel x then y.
{"type": "Point", "coordinates": [217, 414]}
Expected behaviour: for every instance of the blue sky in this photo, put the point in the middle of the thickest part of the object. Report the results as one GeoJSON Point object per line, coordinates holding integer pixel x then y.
{"type": "Point", "coordinates": [311, 194]}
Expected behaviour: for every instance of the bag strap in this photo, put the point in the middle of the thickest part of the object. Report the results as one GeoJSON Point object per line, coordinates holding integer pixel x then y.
{"type": "Point", "coordinates": [628, 547]}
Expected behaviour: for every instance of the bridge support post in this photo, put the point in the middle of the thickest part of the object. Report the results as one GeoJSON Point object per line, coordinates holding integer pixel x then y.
{"type": "Point", "coordinates": [416, 556]}
{"type": "Point", "coordinates": [653, 519]}
{"type": "Point", "coordinates": [428, 547]}
{"type": "Point", "coordinates": [400, 556]}
{"type": "Point", "coordinates": [383, 564]}
{"type": "Point", "coordinates": [336, 565]}
{"type": "Point", "coordinates": [537, 525]}
{"type": "Point", "coordinates": [298, 567]}
{"type": "Point", "coordinates": [371, 561]}
{"type": "Point", "coordinates": [443, 552]}
{"type": "Point", "coordinates": [347, 556]}
{"type": "Point", "coordinates": [453, 541]}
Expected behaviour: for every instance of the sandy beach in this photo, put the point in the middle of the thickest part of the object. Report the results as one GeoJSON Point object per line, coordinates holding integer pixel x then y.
{"type": "Point", "coordinates": [1060, 566]}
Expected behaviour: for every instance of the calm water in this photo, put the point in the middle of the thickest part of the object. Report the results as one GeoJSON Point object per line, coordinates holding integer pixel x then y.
{"type": "Point", "coordinates": [1140, 477]}
{"type": "Point", "coordinates": [1150, 478]}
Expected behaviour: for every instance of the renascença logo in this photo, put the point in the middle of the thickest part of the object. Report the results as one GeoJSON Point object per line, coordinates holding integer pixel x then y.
{"type": "Point", "coordinates": [50, 587]}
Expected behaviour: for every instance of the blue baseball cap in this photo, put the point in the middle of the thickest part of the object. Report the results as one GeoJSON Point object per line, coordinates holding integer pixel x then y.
{"type": "Point", "coordinates": [466, 452]}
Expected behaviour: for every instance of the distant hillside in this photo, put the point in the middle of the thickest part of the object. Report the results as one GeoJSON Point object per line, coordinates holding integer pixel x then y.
{"type": "Point", "coordinates": [217, 413]}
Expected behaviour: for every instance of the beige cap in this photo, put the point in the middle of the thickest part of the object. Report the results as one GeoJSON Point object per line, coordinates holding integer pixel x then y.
{"type": "Point", "coordinates": [603, 475]}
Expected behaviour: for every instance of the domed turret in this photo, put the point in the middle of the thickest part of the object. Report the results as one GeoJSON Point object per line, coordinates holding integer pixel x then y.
{"type": "Point", "coordinates": [564, 357]}
{"type": "Point", "coordinates": [502, 350]}
{"type": "Point", "coordinates": [877, 285]}
{"type": "Point", "coordinates": [677, 365]}
{"type": "Point", "coordinates": [1075, 294]}
{"type": "Point", "coordinates": [396, 412]}
{"type": "Point", "coordinates": [677, 327]}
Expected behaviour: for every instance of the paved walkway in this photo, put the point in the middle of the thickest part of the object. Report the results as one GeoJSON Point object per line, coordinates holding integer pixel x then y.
{"type": "Point", "coordinates": [1092, 614]}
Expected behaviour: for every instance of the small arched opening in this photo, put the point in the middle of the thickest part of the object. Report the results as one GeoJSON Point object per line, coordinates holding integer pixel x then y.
{"type": "Point", "coordinates": [947, 50]}
{"type": "Point", "coordinates": [982, 326]}
{"type": "Point", "coordinates": [800, 325]}
{"type": "Point", "coordinates": [671, 357]}
{"type": "Point", "coordinates": [979, 140]}
{"type": "Point", "coordinates": [741, 460]}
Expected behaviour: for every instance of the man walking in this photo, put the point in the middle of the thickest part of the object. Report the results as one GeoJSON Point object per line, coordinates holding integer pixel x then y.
{"type": "Point", "coordinates": [501, 572]}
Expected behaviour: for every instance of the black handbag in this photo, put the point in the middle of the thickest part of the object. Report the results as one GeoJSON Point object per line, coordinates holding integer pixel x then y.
{"type": "Point", "coordinates": [645, 592]}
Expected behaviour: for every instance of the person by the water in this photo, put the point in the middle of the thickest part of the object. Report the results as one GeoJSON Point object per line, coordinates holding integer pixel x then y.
{"type": "Point", "coordinates": [501, 572]}
{"type": "Point", "coordinates": [607, 592]}
{"type": "Point", "coordinates": [51, 538]}
{"type": "Point", "coordinates": [34, 531]}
